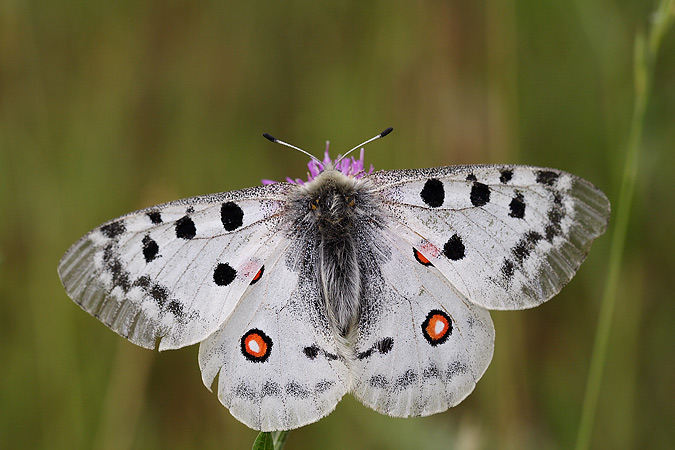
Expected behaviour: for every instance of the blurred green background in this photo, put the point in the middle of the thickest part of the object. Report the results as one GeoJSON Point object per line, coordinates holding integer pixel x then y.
{"type": "Point", "coordinates": [108, 107]}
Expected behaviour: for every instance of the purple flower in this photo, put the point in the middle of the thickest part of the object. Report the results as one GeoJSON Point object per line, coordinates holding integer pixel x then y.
{"type": "Point", "coordinates": [351, 167]}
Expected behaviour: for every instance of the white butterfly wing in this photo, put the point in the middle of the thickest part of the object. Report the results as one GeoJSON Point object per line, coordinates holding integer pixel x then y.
{"type": "Point", "coordinates": [277, 362]}
{"type": "Point", "coordinates": [171, 274]}
{"type": "Point", "coordinates": [506, 237]}
{"type": "Point", "coordinates": [421, 346]}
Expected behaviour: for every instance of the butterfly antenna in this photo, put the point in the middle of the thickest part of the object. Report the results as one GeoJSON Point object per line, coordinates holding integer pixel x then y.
{"type": "Point", "coordinates": [381, 135]}
{"type": "Point", "coordinates": [277, 141]}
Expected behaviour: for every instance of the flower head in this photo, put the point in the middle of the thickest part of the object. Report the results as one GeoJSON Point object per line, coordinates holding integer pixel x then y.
{"type": "Point", "coordinates": [351, 167]}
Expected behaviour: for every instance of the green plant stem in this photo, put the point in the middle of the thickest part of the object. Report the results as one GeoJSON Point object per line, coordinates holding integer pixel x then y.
{"type": "Point", "coordinates": [279, 439]}
{"type": "Point", "coordinates": [274, 440]}
{"type": "Point", "coordinates": [646, 51]}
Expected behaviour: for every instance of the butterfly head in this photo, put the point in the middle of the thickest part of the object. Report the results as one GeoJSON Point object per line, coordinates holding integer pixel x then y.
{"type": "Point", "coordinates": [332, 199]}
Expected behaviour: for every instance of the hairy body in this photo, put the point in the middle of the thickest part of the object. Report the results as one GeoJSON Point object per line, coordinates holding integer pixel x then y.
{"type": "Point", "coordinates": [334, 210]}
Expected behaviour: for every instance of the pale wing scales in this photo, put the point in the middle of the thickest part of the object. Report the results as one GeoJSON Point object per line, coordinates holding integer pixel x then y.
{"type": "Point", "coordinates": [151, 275]}
{"type": "Point", "coordinates": [303, 377]}
{"type": "Point", "coordinates": [397, 370]}
{"type": "Point", "coordinates": [507, 237]}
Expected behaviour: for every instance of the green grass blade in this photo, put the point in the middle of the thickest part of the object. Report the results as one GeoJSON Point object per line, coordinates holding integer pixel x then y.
{"type": "Point", "coordinates": [646, 51]}
{"type": "Point", "coordinates": [263, 442]}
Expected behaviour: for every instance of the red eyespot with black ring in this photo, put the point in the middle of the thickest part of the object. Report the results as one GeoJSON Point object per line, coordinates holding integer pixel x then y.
{"type": "Point", "coordinates": [437, 327]}
{"type": "Point", "coordinates": [256, 346]}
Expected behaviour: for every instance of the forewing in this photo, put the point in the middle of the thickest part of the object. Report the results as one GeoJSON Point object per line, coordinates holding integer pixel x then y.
{"type": "Point", "coordinates": [277, 362]}
{"type": "Point", "coordinates": [506, 237]}
{"type": "Point", "coordinates": [170, 274]}
{"type": "Point", "coordinates": [421, 346]}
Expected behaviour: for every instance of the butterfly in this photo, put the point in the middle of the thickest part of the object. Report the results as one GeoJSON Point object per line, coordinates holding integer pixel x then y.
{"type": "Point", "coordinates": [376, 284]}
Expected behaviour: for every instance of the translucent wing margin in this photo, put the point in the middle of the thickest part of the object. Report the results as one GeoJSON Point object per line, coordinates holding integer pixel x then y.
{"type": "Point", "coordinates": [168, 275]}
{"type": "Point", "coordinates": [506, 237]}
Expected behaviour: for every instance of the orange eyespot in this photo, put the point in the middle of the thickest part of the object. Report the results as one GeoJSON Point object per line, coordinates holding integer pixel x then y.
{"type": "Point", "coordinates": [258, 275]}
{"type": "Point", "coordinates": [421, 259]}
{"type": "Point", "coordinates": [437, 327]}
{"type": "Point", "coordinates": [256, 345]}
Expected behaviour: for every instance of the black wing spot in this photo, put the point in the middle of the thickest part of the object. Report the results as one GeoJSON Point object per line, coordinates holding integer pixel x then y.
{"type": "Point", "coordinates": [108, 252]}
{"type": "Point", "coordinates": [431, 372]}
{"type": "Point", "coordinates": [555, 215]}
{"type": "Point", "coordinates": [456, 368]}
{"type": "Point", "coordinates": [175, 308]}
{"type": "Point", "coordinates": [114, 229]}
{"type": "Point", "coordinates": [143, 281]}
{"type": "Point", "coordinates": [323, 386]}
{"type": "Point", "coordinates": [224, 274]}
{"type": "Point", "coordinates": [368, 353]}
{"type": "Point", "coordinates": [311, 352]}
{"type": "Point", "coordinates": [159, 293]}
{"type": "Point", "coordinates": [246, 392]}
{"type": "Point", "coordinates": [517, 206]}
{"type": "Point", "coordinates": [454, 249]}
{"type": "Point", "coordinates": [270, 389]}
{"type": "Point", "coordinates": [505, 176]}
{"type": "Point", "coordinates": [120, 277]}
{"type": "Point", "coordinates": [480, 194]}
{"type": "Point", "coordinates": [433, 193]}
{"type": "Point", "coordinates": [155, 217]}
{"type": "Point", "coordinates": [378, 381]}
{"type": "Point", "coordinates": [297, 390]}
{"type": "Point", "coordinates": [231, 215]}
{"type": "Point", "coordinates": [385, 345]}
{"type": "Point", "coordinates": [525, 246]}
{"type": "Point", "coordinates": [547, 177]}
{"type": "Point", "coordinates": [185, 228]}
{"type": "Point", "coordinates": [408, 378]}
{"type": "Point", "coordinates": [150, 248]}
{"type": "Point", "coordinates": [552, 230]}
{"type": "Point", "coordinates": [508, 269]}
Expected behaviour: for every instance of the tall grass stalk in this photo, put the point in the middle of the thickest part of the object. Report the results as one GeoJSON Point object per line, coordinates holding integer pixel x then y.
{"type": "Point", "coordinates": [645, 53]}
